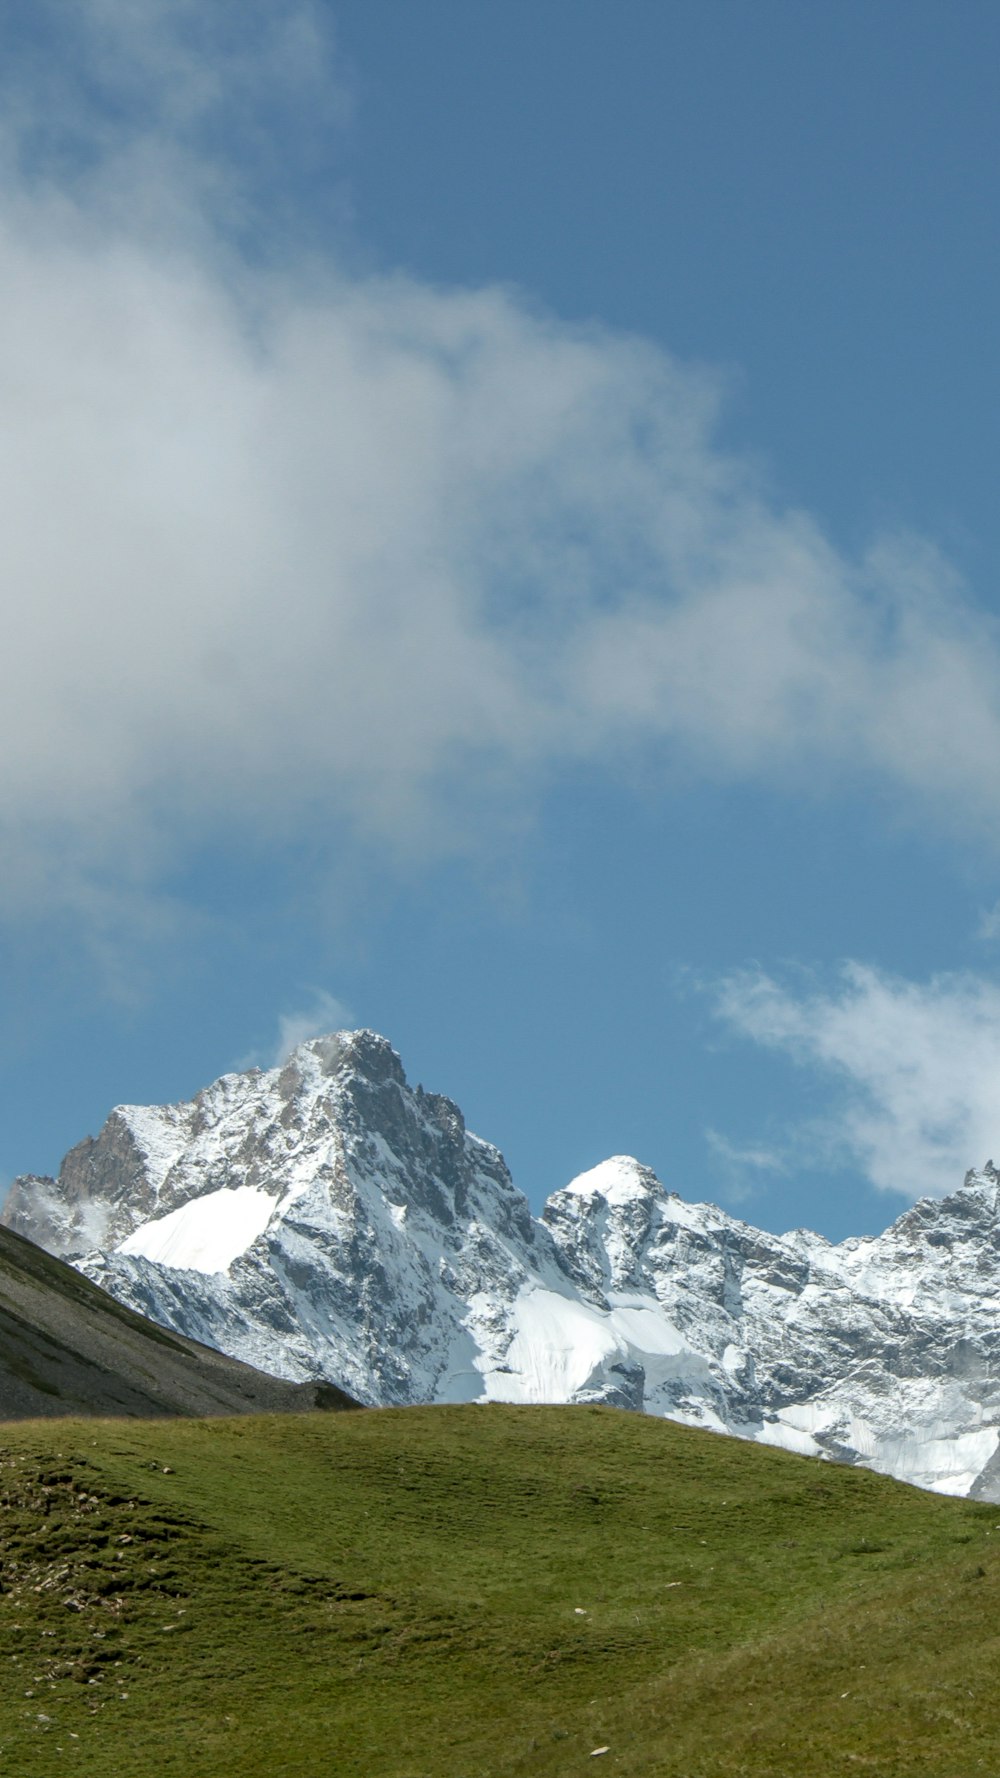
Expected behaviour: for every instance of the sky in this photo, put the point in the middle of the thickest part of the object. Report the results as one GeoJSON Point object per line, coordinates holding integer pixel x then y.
{"type": "Point", "coordinates": [500, 546]}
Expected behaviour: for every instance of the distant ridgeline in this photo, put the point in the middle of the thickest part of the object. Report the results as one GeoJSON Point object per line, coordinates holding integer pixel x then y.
{"type": "Point", "coordinates": [326, 1221]}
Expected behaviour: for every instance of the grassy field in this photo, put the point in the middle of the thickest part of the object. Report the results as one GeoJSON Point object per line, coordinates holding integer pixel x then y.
{"type": "Point", "coordinates": [477, 1592]}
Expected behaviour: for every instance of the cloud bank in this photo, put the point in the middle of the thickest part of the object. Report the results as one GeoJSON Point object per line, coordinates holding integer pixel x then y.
{"type": "Point", "coordinates": [915, 1068]}
{"type": "Point", "coordinates": [290, 547]}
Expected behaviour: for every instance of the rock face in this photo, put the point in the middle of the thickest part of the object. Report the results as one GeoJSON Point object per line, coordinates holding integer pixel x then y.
{"type": "Point", "coordinates": [325, 1220]}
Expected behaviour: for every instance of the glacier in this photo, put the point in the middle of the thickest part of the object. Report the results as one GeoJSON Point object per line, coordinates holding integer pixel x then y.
{"type": "Point", "coordinates": [326, 1220]}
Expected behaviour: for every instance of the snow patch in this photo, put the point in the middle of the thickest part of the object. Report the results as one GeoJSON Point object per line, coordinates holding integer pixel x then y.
{"type": "Point", "coordinates": [558, 1343]}
{"type": "Point", "coordinates": [618, 1180]}
{"type": "Point", "coordinates": [206, 1234]}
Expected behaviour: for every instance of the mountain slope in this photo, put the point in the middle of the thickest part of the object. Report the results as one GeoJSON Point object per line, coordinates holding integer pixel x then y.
{"type": "Point", "coordinates": [68, 1348]}
{"type": "Point", "coordinates": [326, 1220]}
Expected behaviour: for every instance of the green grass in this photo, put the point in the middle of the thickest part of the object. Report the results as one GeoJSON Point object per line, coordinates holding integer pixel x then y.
{"type": "Point", "coordinates": [477, 1592]}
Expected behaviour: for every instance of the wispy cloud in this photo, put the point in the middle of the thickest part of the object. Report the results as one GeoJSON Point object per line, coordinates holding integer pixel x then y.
{"type": "Point", "coordinates": [988, 928]}
{"type": "Point", "coordinates": [173, 118]}
{"type": "Point", "coordinates": [744, 1167]}
{"type": "Point", "coordinates": [321, 1014]}
{"type": "Point", "coordinates": [913, 1067]}
{"type": "Point", "coordinates": [316, 550]}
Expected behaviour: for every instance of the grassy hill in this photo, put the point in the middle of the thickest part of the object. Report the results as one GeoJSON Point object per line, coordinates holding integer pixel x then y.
{"type": "Point", "coordinates": [477, 1592]}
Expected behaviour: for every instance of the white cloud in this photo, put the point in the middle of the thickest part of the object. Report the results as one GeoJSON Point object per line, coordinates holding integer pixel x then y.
{"type": "Point", "coordinates": [327, 551]}
{"type": "Point", "coordinates": [739, 1155]}
{"type": "Point", "coordinates": [915, 1067]}
{"type": "Point", "coordinates": [322, 1014]}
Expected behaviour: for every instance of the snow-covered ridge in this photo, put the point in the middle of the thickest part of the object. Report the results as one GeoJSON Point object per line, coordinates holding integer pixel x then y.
{"type": "Point", "coordinates": [325, 1219]}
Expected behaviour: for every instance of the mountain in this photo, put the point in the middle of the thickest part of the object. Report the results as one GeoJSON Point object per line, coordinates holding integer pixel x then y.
{"type": "Point", "coordinates": [68, 1348]}
{"type": "Point", "coordinates": [325, 1220]}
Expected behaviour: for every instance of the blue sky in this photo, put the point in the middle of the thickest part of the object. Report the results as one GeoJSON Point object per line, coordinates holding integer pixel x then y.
{"type": "Point", "coordinates": [500, 546]}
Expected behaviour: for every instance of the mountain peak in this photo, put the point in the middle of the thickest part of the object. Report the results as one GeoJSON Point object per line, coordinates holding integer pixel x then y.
{"type": "Point", "coordinates": [325, 1220]}
{"type": "Point", "coordinates": [363, 1052]}
{"type": "Point", "coordinates": [618, 1180]}
{"type": "Point", "coordinates": [982, 1177]}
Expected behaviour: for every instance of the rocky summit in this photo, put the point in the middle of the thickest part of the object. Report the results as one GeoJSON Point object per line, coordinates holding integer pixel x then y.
{"type": "Point", "coordinates": [325, 1220]}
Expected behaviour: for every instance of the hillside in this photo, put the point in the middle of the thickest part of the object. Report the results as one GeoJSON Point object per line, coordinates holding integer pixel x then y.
{"type": "Point", "coordinates": [66, 1347]}
{"type": "Point", "coordinates": [483, 1592]}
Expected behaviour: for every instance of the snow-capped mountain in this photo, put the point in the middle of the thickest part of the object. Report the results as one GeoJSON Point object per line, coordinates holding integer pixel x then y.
{"type": "Point", "coordinates": [326, 1220]}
